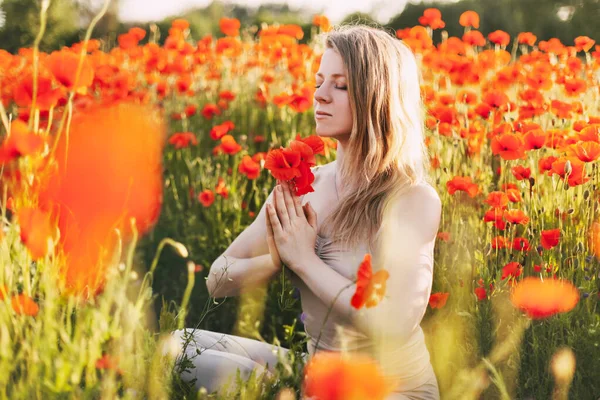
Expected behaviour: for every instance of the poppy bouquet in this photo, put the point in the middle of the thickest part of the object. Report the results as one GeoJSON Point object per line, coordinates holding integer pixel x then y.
{"type": "Point", "coordinates": [292, 164]}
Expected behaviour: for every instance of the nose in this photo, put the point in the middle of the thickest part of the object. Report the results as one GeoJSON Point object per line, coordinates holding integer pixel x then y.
{"type": "Point", "coordinates": [322, 96]}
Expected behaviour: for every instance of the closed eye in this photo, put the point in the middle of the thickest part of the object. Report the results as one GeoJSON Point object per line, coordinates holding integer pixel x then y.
{"type": "Point", "coordinates": [341, 88]}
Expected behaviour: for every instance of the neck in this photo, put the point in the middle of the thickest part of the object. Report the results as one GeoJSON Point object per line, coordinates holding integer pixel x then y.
{"type": "Point", "coordinates": [338, 161]}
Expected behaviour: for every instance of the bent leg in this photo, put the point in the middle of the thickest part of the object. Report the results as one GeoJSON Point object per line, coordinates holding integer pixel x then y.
{"type": "Point", "coordinates": [213, 369]}
{"type": "Point", "coordinates": [221, 355]}
{"type": "Point", "coordinates": [259, 352]}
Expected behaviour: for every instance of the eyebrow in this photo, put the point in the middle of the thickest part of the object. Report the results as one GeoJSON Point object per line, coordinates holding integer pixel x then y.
{"type": "Point", "coordinates": [333, 75]}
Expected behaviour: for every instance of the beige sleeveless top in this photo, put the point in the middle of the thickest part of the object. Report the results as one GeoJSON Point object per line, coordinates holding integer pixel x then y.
{"type": "Point", "coordinates": [413, 366]}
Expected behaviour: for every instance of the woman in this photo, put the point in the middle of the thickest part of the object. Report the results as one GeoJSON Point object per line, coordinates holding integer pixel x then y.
{"type": "Point", "coordinates": [374, 198]}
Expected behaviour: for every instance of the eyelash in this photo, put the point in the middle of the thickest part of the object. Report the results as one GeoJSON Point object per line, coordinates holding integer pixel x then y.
{"type": "Point", "coordinates": [341, 88]}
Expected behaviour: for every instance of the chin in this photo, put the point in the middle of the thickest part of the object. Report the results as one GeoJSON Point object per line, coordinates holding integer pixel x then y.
{"type": "Point", "coordinates": [325, 132]}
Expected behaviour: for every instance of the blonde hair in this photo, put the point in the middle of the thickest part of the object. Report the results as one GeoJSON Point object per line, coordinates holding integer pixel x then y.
{"type": "Point", "coordinates": [386, 153]}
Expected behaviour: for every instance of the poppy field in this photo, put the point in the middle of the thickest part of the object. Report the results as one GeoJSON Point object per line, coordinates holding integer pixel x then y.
{"type": "Point", "coordinates": [127, 170]}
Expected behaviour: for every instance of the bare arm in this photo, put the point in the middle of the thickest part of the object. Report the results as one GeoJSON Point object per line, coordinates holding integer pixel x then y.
{"type": "Point", "coordinates": [246, 263]}
{"type": "Point", "coordinates": [405, 254]}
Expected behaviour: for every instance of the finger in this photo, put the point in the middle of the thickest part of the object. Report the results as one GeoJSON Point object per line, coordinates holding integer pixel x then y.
{"type": "Point", "coordinates": [289, 201]}
{"type": "Point", "coordinates": [273, 220]}
{"type": "Point", "coordinates": [312, 216]}
{"type": "Point", "coordinates": [280, 209]}
{"type": "Point", "coordinates": [298, 205]}
{"type": "Point", "coordinates": [269, 226]}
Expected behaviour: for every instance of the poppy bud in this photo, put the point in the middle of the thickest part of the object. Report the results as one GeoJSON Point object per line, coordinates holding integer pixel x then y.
{"type": "Point", "coordinates": [568, 168]}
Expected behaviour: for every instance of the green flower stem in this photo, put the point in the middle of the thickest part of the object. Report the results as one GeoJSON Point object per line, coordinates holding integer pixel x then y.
{"type": "Point", "coordinates": [329, 312]}
{"type": "Point", "coordinates": [186, 296]}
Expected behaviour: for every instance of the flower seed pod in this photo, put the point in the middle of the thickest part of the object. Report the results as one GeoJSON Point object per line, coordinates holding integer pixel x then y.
{"type": "Point", "coordinates": [568, 168]}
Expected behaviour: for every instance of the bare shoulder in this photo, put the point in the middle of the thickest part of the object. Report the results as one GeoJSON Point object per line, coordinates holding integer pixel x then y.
{"type": "Point", "coordinates": [323, 172]}
{"type": "Point", "coordinates": [422, 192]}
{"type": "Point", "coordinates": [319, 169]}
{"type": "Point", "coordinates": [420, 208]}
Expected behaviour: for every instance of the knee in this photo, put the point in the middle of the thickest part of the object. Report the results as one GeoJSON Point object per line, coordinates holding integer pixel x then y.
{"type": "Point", "coordinates": [215, 369]}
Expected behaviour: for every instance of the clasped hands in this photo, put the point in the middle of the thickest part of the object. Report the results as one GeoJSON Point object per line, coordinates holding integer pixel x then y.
{"type": "Point", "coordinates": [291, 229]}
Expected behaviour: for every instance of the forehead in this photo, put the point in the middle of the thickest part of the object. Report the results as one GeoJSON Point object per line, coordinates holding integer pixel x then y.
{"type": "Point", "coordinates": [331, 64]}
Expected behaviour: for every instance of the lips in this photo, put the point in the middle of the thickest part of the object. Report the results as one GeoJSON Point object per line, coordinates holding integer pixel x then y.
{"type": "Point", "coordinates": [323, 113]}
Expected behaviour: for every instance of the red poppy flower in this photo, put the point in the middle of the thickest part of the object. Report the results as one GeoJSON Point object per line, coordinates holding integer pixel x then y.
{"type": "Point", "coordinates": [516, 217]}
{"type": "Point", "coordinates": [432, 17]}
{"type": "Point", "coordinates": [180, 24]}
{"type": "Point", "coordinates": [206, 197]}
{"type": "Point", "coordinates": [316, 143]}
{"type": "Point", "coordinates": [112, 175]}
{"type": "Point", "coordinates": [277, 163]}
{"type": "Point", "coordinates": [514, 196]}
{"type": "Point", "coordinates": [512, 269]}
{"type": "Point", "coordinates": [227, 95]}
{"type": "Point", "coordinates": [108, 362]}
{"type": "Point", "coordinates": [370, 288]}
{"type": "Point", "coordinates": [64, 65]}
{"type": "Point", "coordinates": [474, 38]}
{"type": "Point", "coordinates": [545, 163]}
{"type": "Point", "coordinates": [37, 231]}
{"type": "Point", "coordinates": [571, 166]}
{"type": "Point", "coordinates": [438, 300]}
{"type": "Point", "coordinates": [550, 238]}
{"type": "Point", "coordinates": [520, 244]}
{"type": "Point", "coordinates": [337, 376]}
{"type": "Point", "coordinates": [21, 142]}
{"type": "Point", "coordinates": [584, 43]}
{"type": "Point", "coordinates": [302, 183]}
{"type": "Point", "coordinates": [460, 183]}
{"type": "Point", "coordinates": [544, 298]}
{"type": "Point", "coordinates": [527, 38]}
{"type": "Point", "coordinates": [307, 155]}
{"type": "Point", "coordinates": [497, 200]}
{"type": "Point", "coordinates": [520, 172]}
{"type": "Point", "coordinates": [300, 103]}
{"type": "Point", "coordinates": [183, 139]}
{"type": "Point", "coordinates": [229, 145]}
{"type": "Point", "coordinates": [480, 293]}
{"type": "Point", "coordinates": [128, 40]}
{"type": "Point", "coordinates": [499, 242]}
{"type": "Point", "coordinates": [509, 146]}
{"type": "Point", "coordinates": [499, 37]}
{"type": "Point", "coordinates": [534, 139]}
{"type": "Point", "coordinates": [249, 167]}
{"type": "Point", "coordinates": [469, 19]}
{"type": "Point", "coordinates": [24, 305]}
{"type": "Point", "coordinates": [47, 96]}
{"type": "Point", "coordinates": [443, 236]}
{"type": "Point", "coordinates": [138, 32]}
{"type": "Point", "coordinates": [230, 26]}
{"type": "Point", "coordinates": [586, 151]}
{"type": "Point", "coordinates": [590, 133]}
{"type": "Point", "coordinates": [210, 110]}
{"type": "Point", "coordinates": [217, 132]}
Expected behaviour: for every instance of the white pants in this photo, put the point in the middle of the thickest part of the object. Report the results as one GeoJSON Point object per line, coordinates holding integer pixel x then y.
{"type": "Point", "coordinates": [221, 355]}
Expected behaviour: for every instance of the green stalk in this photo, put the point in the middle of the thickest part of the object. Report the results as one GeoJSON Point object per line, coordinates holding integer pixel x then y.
{"type": "Point", "coordinates": [329, 312]}
{"type": "Point", "coordinates": [69, 114]}
{"type": "Point", "coordinates": [186, 296]}
{"type": "Point", "coordinates": [36, 51]}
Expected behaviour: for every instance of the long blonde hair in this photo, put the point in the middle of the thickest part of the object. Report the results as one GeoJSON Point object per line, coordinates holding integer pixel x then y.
{"type": "Point", "coordinates": [386, 152]}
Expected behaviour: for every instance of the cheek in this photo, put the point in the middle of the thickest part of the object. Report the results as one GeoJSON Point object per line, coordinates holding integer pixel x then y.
{"type": "Point", "coordinates": [345, 112]}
